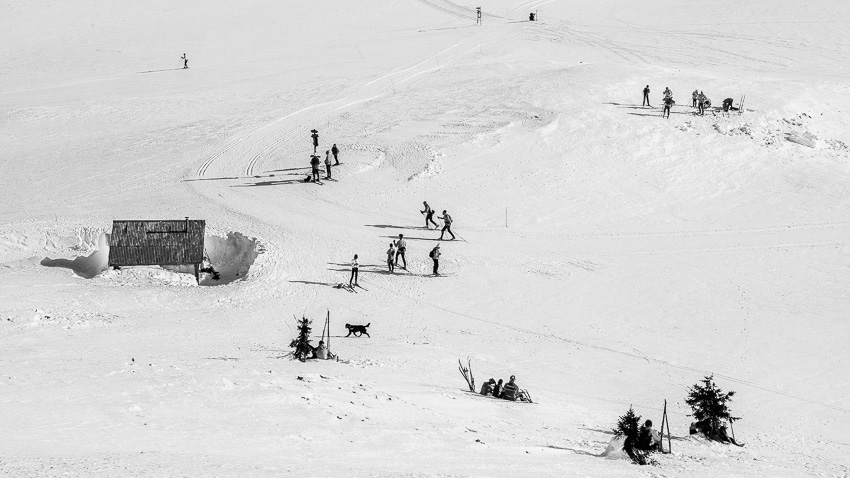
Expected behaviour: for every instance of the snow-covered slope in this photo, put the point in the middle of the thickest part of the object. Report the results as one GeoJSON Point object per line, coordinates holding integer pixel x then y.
{"type": "Point", "coordinates": [606, 257]}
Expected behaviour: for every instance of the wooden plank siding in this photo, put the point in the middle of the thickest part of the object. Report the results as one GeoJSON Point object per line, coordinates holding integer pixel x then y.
{"type": "Point", "coordinates": [167, 243]}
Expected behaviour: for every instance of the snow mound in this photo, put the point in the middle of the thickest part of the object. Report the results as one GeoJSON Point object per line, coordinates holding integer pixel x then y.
{"type": "Point", "coordinates": [615, 449]}
{"type": "Point", "coordinates": [232, 256]}
{"type": "Point", "coordinates": [85, 266]}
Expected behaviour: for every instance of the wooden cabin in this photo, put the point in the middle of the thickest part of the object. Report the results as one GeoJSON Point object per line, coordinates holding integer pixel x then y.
{"type": "Point", "coordinates": [157, 243]}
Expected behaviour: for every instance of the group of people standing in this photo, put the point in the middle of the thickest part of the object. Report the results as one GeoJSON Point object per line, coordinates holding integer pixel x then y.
{"type": "Point", "coordinates": [700, 101]}
{"type": "Point", "coordinates": [315, 161]}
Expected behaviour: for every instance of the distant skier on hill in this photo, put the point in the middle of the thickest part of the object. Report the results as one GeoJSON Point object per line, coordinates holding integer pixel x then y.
{"type": "Point", "coordinates": [185, 61]}
{"type": "Point", "coordinates": [701, 103]}
{"type": "Point", "coordinates": [478, 12]}
{"type": "Point", "coordinates": [355, 267]}
{"type": "Point", "coordinates": [435, 256]}
{"type": "Point", "coordinates": [668, 103]}
{"type": "Point", "coordinates": [314, 162]}
{"type": "Point", "coordinates": [315, 137]}
{"type": "Point", "coordinates": [695, 97]}
{"type": "Point", "coordinates": [335, 152]}
{"type": "Point", "coordinates": [328, 163]}
{"type": "Point", "coordinates": [447, 225]}
{"type": "Point", "coordinates": [391, 257]}
{"type": "Point", "coordinates": [401, 246]}
{"type": "Point", "coordinates": [429, 216]}
{"type": "Point", "coordinates": [646, 97]}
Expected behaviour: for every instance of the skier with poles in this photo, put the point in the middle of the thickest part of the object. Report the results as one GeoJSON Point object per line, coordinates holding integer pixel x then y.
{"type": "Point", "coordinates": [447, 225]}
{"type": "Point", "coordinates": [435, 256]}
{"type": "Point", "coordinates": [429, 216]}
{"type": "Point", "coordinates": [401, 246]}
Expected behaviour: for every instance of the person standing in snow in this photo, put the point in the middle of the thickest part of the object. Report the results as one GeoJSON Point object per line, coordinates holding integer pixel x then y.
{"type": "Point", "coordinates": [335, 152]}
{"type": "Point", "coordinates": [447, 225]}
{"type": "Point", "coordinates": [315, 137]}
{"type": "Point", "coordinates": [355, 266]}
{"type": "Point", "coordinates": [314, 162]}
{"type": "Point", "coordinates": [668, 103]}
{"type": "Point", "coordinates": [401, 246]}
{"type": "Point", "coordinates": [701, 103]}
{"type": "Point", "coordinates": [694, 97]}
{"type": "Point", "coordinates": [391, 257]}
{"type": "Point", "coordinates": [646, 97]}
{"type": "Point", "coordinates": [478, 12]}
{"type": "Point", "coordinates": [328, 163]}
{"type": "Point", "coordinates": [435, 255]}
{"type": "Point", "coordinates": [185, 61]}
{"type": "Point", "coordinates": [429, 216]}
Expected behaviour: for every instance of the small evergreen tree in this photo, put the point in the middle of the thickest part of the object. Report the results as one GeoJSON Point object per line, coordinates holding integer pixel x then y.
{"type": "Point", "coordinates": [708, 403]}
{"type": "Point", "coordinates": [301, 344]}
{"type": "Point", "coordinates": [629, 426]}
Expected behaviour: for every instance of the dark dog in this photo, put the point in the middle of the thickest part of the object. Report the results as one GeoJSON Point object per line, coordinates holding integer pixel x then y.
{"type": "Point", "coordinates": [358, 330]}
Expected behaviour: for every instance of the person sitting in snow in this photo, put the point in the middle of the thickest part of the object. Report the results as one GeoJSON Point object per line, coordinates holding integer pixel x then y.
{"type": "Point", "coordinates": [511, 390]}
{"type": "Point", "coordinates": [648, 438]}
{"type": "Point", "coordinates": [320, 351]}
{"type": "Point", "coordinates": [487, 388]}
{"type": "Point", "coordinates": [497, 390]}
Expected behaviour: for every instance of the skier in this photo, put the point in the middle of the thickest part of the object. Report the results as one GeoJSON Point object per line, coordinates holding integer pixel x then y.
{"type": "Point", "coordinates": [429, 216]}
{"type": "Point", "coordinates": [328, 163]}
{"type": "Point", "coordinates": [646, 97]}
{"type": "Point", "coordinates": [354, 268]}
{"type": "Point", "coordinates": [531, 17]}
{"type": "Point", "coordinates": [315, 137]}
{"type": "Point", "coordinates": [185, 61]}
{"type": "Point", "coordinates": [695, 97]}
{"type": "Point", "coordinates": [401, 246]}
{"type": "Point", "coordinates": [314, 162]}
{"type": "Point", "coordinates": [667, 92]}
{"type": "Point", "coordinates": [447, 225]}
{"type": "Point", "coordinates": [435, 255]}
{"type": "Point", "coordinates": [668, 103]}
{"type": "Point", "coordinates": [391, 257]}
{"type": "Point", "coordinates": [335, 152]}
{"type": "Point", "coordinates": [701, 103]}
{"type": "Point", "coordinates": [478, 12]}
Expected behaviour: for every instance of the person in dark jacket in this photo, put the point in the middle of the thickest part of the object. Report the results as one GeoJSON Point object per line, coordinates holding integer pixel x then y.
{"type": "Point", "coordinates": [668, 104]}
{"type": "Point", "coordinates": [185, 61]}
{"type": "Point", "coordinates": [435, 256]}
{"type": "Point", "coordinates": [511, 390]}
{"type": "Point", "coordinates": [497, 390]}
{"type": "Point", "coordinates": [335, 152]}
{"type": "Point", "coordinates": [315, 137]}
{"type": "Point", "coordinates": [646, 97]}
{"type": "Point", "coordinates": [314, 162]}
{"type": "Point", "coordinates": [487, 388]}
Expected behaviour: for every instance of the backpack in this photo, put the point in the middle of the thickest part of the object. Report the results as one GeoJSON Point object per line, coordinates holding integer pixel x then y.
{"type": "Point", "coordinates": [431, 254]}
